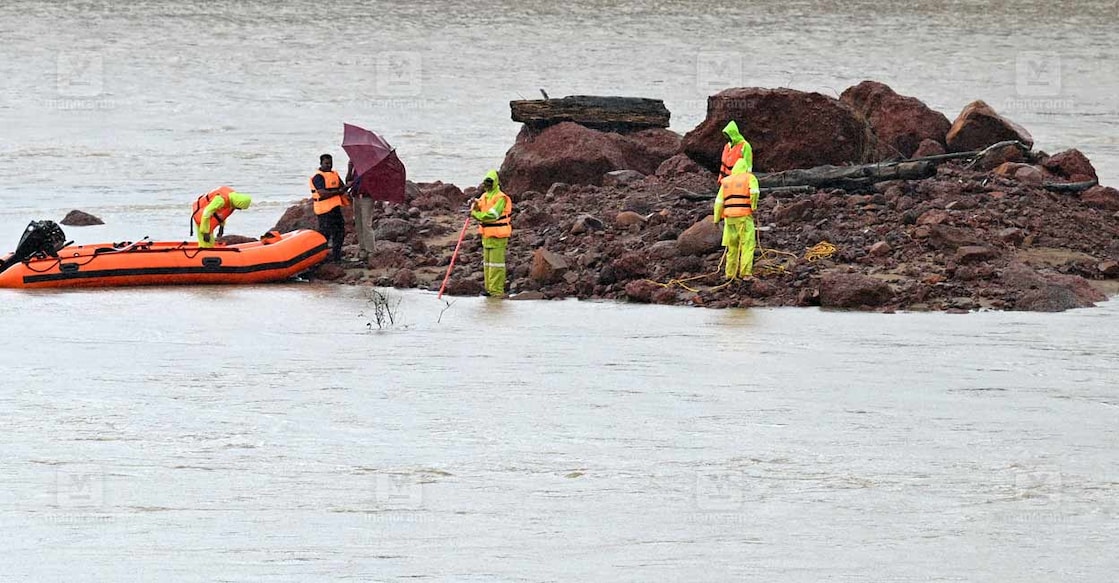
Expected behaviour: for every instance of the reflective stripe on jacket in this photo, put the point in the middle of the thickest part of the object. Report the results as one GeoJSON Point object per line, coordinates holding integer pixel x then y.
{"type": "Point", "coordinates": [738, 195]}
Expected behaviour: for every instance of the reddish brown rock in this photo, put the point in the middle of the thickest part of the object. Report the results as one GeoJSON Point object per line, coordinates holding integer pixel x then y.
{"type": "Point", "coordinates": [641, 290]}
{"type": "Point", "coordinates": [999, 156]}
{"type": "Point", "coordinates": [787, 129]}
{"type": "Point", "coordinates": [464, 287]}
{"type": "Point", "coordinates": [1012, 235]}
{"type": "Point", "coordinates": [1071, 165]}
{"type": "Point", "coordinates": [628, 219]}
{"type": "Point", "coordinates": [974, 253]}
{"type": "Point", "coordinates": [788, 213]}
{"type": "Point", "coordinates": [701, 238]}
{"type": "Point", "coordinates": [76, 218]}
{"type": "Point", "coordinates": [299, 216]}
{"type": "Point", "coordinates": [947, 238]}
{"type": "Point", "coordinates": [880, 249]}
{"type": "Point", "coordinates": [234, 240]}
{"type": "Point", "coordinates": [1021, 172]}
{"type": "Point", "coordinates": [404, 278]}
{"type": "Point", "coordinates": [979, 126]}
{"type": "Point", "coordinates": [853, 290]}
{"type": "Point", "coordinates": [900, 123]}
{"type": "Point", "coordinates": [933, 217]}
{"type": "Point", "coordinates": [1101, 197]}
{"type": "Point", "coordinates": [1109, 268]}
{"type": "Point", "coordinates": [1029, 175]}
{"type": "Point", "coordinates": [585, 223]}
{"type": "Point", "coordinates": [393, 229]}
{"type": "Point", "coordinates": [679, 164]}
{"type": "Point", "coordinates": [621, 177]}
{"type": "Point", "coordinates": [328, 272]}
{"type": "Point", "coordinates": [568, 152]}
{"type": "Point", "coordinates": [929, 148]}
{"type": "Point", "coordinates": [665, 295]}
{"type": "Point", "coordinates": [388, 255]}
{"type": "Point", "coordinates": [547, 266]}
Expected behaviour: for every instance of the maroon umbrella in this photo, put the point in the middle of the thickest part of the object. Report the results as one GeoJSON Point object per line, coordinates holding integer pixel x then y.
{"type": "Point", "coordinates": [380, 173]}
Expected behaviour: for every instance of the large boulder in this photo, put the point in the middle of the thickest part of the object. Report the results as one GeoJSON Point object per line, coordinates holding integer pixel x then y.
{"type": "Point", "coordinates": [547, 266]}
{"type": "Point", "coordinates": [299, 216]}
{"type": "Point", "coordinates": [787, 129]}
{"type": "Point", "coordinates": [979, 126]}
{"type": "Point", "coordinates": [568, 152]}
{"type": "Point", "coordinates": [1101, 197]}
{"type": "Point", "coordinates": [701, 238]}
{"type": "Point", "coordinates": [853, 290]}
{"type": "Point", "coordinates": [901, 123]}
{"type": "Point", "coordinates": [1072, 165]}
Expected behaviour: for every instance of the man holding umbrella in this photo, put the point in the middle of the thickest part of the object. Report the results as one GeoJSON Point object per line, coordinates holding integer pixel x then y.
{"type": "Point", "coordinates": [376, 173]}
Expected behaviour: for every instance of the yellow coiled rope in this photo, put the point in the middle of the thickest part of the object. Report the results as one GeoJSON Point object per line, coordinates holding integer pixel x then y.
{"type": "Point", "coordinates": [768, 262]}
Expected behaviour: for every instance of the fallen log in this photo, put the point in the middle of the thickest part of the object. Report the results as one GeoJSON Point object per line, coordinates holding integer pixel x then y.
{"type": "Point", "coordinates": [1070, 187]}
{"type": "Point", "coordinates": [602, 113]}
{"type": "Point", "coordinates": [848, 177]}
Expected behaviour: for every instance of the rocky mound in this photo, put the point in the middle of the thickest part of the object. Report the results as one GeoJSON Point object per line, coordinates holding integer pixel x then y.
{"type": "Point", "coordinates": [1013, 229]}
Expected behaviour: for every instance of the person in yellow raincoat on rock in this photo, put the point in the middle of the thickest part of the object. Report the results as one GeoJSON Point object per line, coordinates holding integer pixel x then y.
{"type": "Point", "coordinates": [736, 148]}
{"type": "Point", "coordinates": [211, 211]}
{"type": "Point", "coordinates": [492, 209]}
{"type": "Point", "coordinates": [735, 204]}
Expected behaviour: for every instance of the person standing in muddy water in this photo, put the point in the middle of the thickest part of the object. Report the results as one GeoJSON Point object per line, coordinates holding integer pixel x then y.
{"type": "Point", "coordinates": [735, 204]}
{"type": "Point", "coordinates": [736, 148]}
{"type": "Point", "coordinates": [328, 193]}
{"type": "Point", "coordinates": [492, 209]}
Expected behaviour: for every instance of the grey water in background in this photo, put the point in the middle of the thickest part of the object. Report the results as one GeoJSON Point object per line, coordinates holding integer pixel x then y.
{"type": "Point", "coordinates": [131, 109]}
{"type": "Point", "coordinates": [266, 433]}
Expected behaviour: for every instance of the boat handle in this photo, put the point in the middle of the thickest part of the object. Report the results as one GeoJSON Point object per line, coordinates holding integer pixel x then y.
{"type": "Point", "coordinates": [211, 262]}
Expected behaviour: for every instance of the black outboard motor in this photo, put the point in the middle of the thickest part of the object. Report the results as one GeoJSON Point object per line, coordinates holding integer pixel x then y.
{"type": "Point", "coordinates": [40, 239]}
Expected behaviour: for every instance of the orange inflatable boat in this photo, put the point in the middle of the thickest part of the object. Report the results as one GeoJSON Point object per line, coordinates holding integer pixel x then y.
{"type": "Point", "coordinates": [43, 260]}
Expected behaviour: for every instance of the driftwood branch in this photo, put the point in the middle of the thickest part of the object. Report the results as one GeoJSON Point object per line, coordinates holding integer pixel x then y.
{"type": "Point", "coordinates": [847, 177]}
{"type": "Point", "coordinates": [1070, 186]}
{"type": "Point", "coordinates": [592, 111]}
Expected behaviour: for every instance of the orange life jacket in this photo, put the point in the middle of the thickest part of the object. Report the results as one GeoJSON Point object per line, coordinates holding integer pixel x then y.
{"type": "Point", "coordinates": [730, 156]}
{"type": "Point", "coordinates": [218, 218]}
{"type": "Point", "coordinates": [736, 195]}
{"type": "Point", "coordinates": [500, 228]}
{"type": "Point", "coordinates": [330, 180]}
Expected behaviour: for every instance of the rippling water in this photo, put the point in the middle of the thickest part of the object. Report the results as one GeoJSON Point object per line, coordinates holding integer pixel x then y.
{"type": "Point", "coordinates": [595, 441]}
{"type": "Point", "coordinates": [266, 433]}
{"type": "Point", "coordinates": [130, 109]}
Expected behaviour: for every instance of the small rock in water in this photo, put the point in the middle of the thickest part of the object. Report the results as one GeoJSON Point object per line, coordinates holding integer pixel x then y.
{"type": "Point", "coordinates": [76, 218]}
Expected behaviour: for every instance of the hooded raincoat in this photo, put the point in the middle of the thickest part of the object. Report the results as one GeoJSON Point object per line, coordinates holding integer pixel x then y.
{"type": "Point", "coordinates": [493, 215]}
{"type": "Point", "coordinates": [736, 148]}
{"type": "Point", "coordinates": [739, 236]}
{"type": "Point", "coordinates": [205, 226]}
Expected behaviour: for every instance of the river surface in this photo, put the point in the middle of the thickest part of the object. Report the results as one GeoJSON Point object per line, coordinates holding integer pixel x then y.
{"type": "Point", "coordinates": [275, 433]}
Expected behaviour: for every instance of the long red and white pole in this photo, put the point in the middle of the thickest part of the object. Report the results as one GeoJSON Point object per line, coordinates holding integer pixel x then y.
{"type": "Point", "coordinates": [453, 256]}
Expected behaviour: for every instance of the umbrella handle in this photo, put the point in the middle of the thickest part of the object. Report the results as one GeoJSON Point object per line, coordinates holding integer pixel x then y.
{"type": "Point", "coordinates": [454, 255]}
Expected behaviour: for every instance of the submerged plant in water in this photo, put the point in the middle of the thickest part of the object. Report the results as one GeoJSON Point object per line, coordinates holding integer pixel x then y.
{"type": "Point", "coordinates": [384, 309]}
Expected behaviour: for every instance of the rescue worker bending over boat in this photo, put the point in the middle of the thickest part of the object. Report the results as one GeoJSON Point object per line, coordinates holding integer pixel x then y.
{"type": "Point", "coordinates": [211, 211]}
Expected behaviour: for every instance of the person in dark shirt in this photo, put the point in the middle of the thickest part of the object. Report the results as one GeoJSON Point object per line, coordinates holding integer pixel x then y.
{"type": "Point", "coordinates": [329, 195]}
